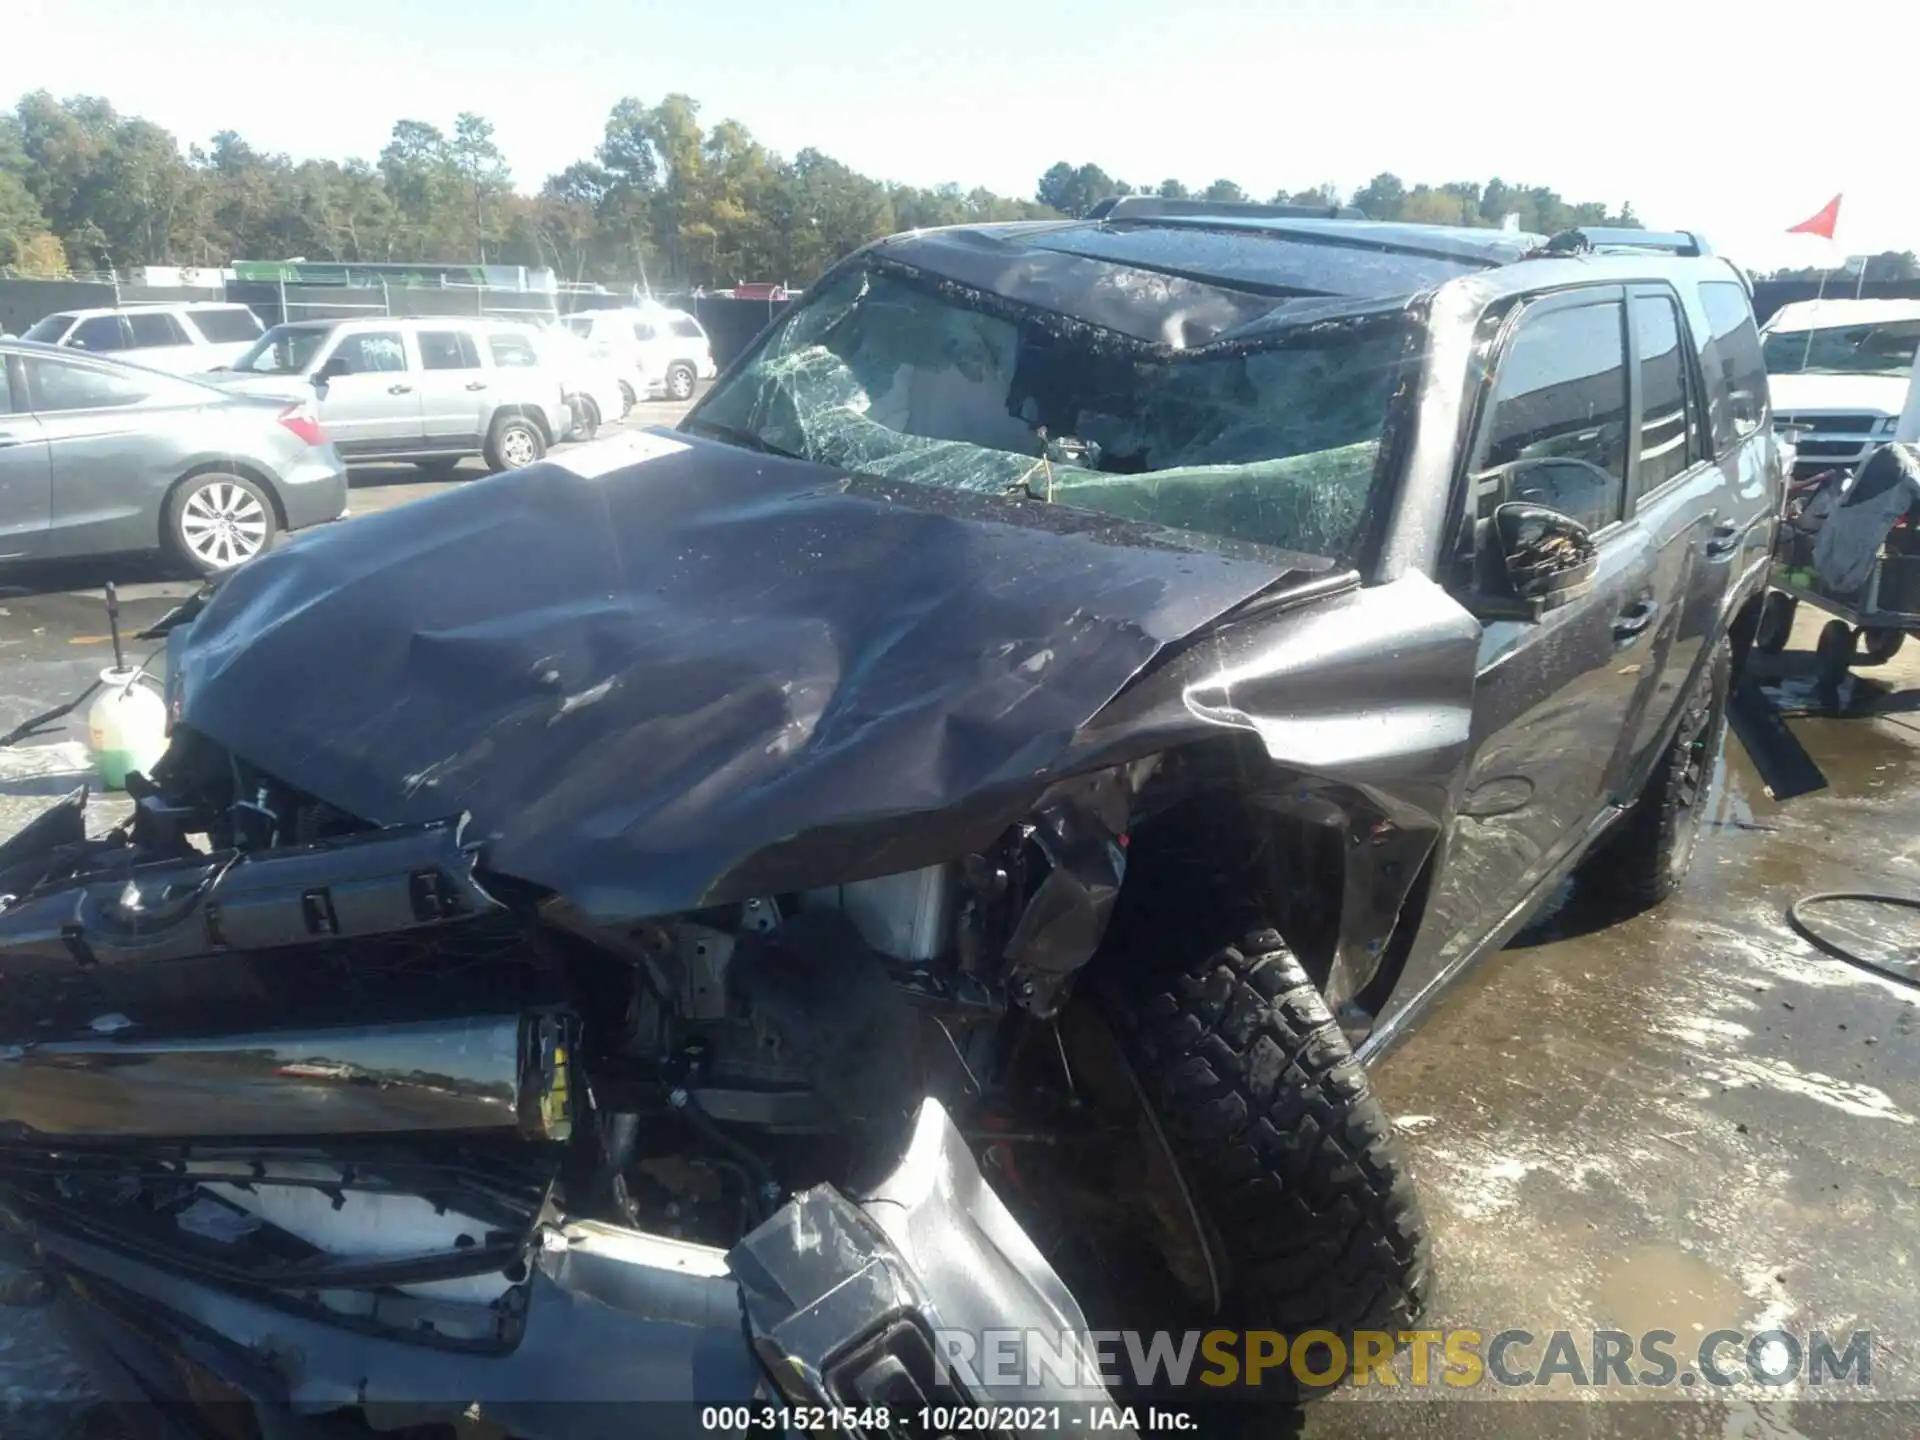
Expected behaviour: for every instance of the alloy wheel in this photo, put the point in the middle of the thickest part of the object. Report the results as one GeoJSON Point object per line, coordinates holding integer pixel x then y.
{"type": "Point", "coordinates": [223, 524]}
{"type": "Point", "coordinates": [517, 447]}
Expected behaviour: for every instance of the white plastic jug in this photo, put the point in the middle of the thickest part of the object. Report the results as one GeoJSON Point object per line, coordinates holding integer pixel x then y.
{"type": "Point", "coordinates": [127, 727]}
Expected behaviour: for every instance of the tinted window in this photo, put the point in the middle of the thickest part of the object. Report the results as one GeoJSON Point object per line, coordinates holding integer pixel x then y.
{"type": "Point", "coordinates": [101, 333]}
{"type": "Point", "coordinates": [150, 330]}
{"type": "Point", "coordinates": [58, 385]}
{"type": "Point", "coordinates": [1556, 430]}
{"type": "Point", "coordinates": [1843, 350]}
{"type": "Point", "coordinates": [642, 330]}
{"type": "Point", "coordinates": [49, 330]}
{"type": "Point", "coordinates": [1668, 419]}
{"type": "Point", "coordinates": [1736, 374]}
{"type": "Point", "coordinates": [448, 350]}
{"type": "Point", "coordinates": [379, 350]}
{"type": "Point", "coordinates": [688, 328]}
{"type": "Point", "coordinates": [225, 327]}
{"type": "Point", "coordinates": [514, 350]}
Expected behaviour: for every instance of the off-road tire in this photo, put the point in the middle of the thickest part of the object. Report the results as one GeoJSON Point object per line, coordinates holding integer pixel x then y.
{"type": "Point", "coordinates": [680, 381]}
{"type": "Point", "coordinates": [1291, 1162]}
{"type": "Point", "coordinates": [627, 399]}
{"type": "Point", "coordinates": [1646, 857]}
{"type": "Point", "coordinates": [1776, 622]}
{"type": "Point", "coordinates": [514, 435]}
{"type": "Point", "coordinates": [204, 500]}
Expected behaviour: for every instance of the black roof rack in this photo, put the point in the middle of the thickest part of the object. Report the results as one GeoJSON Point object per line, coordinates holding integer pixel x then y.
{"type": "Point", "coordinates": [1612, 237]}
{"type": "Point", "coordinates": [1152, 207]}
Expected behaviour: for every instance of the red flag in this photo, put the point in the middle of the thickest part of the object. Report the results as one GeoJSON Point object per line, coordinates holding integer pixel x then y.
{"type": "Point", "coordinates": [1821, 224]}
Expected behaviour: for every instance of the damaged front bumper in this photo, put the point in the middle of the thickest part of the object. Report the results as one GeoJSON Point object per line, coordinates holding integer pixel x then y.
{"type": "Point", "coordinates": [831, 1302]}
{"type": "Point", "coordinates": [411, 1285]}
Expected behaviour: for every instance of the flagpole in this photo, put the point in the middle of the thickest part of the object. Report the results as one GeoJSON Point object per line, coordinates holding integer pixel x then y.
{"type": "Point", "coordinates": [1807, 353]}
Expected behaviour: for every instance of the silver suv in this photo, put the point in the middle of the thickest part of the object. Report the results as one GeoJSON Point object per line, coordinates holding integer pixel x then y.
{"type": "Point", "coordinates": [430, 391]}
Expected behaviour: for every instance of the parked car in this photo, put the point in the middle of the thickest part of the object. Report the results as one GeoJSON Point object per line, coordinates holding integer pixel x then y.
{"type": "Point", "coordinates": [1060, 707]}
{"type": "Point", "coordinates": [99, 457]}
{"type": "Point", "coordinates": [429, 391]}
{"type": "Point", "coordinates": [1840, 372]}
{"type": "Point", "coordinates": [595, 387]}
{"type": "Point", "coordinates": [667, 350]}
{"type": "Point", "coordinates": [186, 338]}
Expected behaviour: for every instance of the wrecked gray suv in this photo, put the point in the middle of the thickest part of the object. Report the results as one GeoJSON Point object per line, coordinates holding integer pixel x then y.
{"type": "Point", "coordinates": [928, 847]}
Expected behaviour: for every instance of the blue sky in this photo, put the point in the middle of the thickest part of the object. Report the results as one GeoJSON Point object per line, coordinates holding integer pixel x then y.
{"type": "Point", "coordinates": [1689, 108]}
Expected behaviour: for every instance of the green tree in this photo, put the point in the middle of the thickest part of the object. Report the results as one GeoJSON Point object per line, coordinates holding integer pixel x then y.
{"type": "Point", "coordinates": [1074, 190]}
{"type": "Point", "coordinates": [1171, 190]}
{"type": "Point", "coordinates": [1224, 191]}
{"type": "Point", "coordinates": [484, 176]}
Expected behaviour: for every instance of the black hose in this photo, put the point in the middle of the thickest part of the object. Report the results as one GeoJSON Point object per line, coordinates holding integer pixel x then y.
{"type": "Point", "coordinates": [1839, 952]}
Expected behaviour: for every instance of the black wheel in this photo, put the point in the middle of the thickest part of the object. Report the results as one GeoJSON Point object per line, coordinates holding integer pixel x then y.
{"type": "Point", "coordinates": [441, 467]}
{"type": "Point", "coordinates": [216, 521]}
{"type": "Point", "coordinates": [1834, 651]}
{"type": "Point", "coordinates": [1877, 647]}
{"type": "Point", "coordinates": [589, 422]}
{"type": "Point", "coordinates": [680, 378]}
{"type": "Point", "coordinates": [627, 399]}
{"type": "Point", "coordinates": [1292, 1165]}
{"type": "Point", "coordinates": [515, 441]}
{"type": "Point", "coordinates": [1776, 622]}
{"type": "Point", "coordinates": [1646, 857]}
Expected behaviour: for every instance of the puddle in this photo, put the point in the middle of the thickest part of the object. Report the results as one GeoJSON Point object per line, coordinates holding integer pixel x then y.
{"type": "Point", "coordinates": [1658, 1287]}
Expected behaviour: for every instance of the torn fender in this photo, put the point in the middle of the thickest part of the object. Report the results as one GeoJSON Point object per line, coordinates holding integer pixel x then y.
{"type": "Point", "coordinates": [702, 675]}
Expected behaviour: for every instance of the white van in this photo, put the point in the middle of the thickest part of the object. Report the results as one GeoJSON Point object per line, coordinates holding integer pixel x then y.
{"type": "Point", "coordinates": [186, 338]}
{"type": "Point", "coordinates": [666, 350]}
{"type": "Point", "coordinates": [1841, 373]}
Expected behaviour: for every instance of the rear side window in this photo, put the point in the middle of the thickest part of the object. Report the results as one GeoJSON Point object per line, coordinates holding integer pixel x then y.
{"type": "Point", "coordinates": [225, 327]}
{"type": "Point", "coordinates": [1555, 432]}
{"type": "Point", "coordinates": [1736, 373]}
{"type": "Point", "coordinates": [448, 350]}
{"type": "Point", "coordinates": [100, 334]}
{"type": "Point", "coordinates": [642, 331]}
{"type": "Point", "coordinates": [151, 330]}
{"type": "Point", "coordinates": [688, 328]}
{"type": "Point", "coordinates": [513, 351]}
{"type": "Point", "coordinates": [60, 385]}
{"type": "Point", "coordinates": [1669, 417]}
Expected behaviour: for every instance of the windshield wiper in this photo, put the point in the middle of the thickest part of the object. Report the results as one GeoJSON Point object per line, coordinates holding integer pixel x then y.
{"type": "Point", "coordinates": [734, 435]}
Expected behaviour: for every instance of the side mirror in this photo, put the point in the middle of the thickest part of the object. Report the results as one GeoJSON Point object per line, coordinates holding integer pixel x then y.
{"type": "Point", "coordinates": [335, 367]}
{"type": "Point", "coordinates": [1545, 559]}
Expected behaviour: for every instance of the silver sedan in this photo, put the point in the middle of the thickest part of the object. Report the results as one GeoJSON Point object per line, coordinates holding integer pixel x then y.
{"type": "Point", "coordinates": [99, 457]}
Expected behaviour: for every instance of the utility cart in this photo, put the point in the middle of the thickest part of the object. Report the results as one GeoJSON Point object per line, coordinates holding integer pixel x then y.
{"type": "Point", "coordinates": [1870, 624]}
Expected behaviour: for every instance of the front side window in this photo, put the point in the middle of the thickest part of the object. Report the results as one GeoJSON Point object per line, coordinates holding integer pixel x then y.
{"type": "Point", "coordinates": [152, 330]}
{"type": "Point", "coordinates": [448, 350]}
{"type": "Point", "coordinates": [1273, 440]}
{"type": "Point", "coordinates": [1736, 369]}
{"type": "Point", "coordinates": [100, 334]}
{"type": "Point", "coordinates": [1555, 432]}
{"type": "Point", "coordinates": [61, 385]}
{"type": "Point", "coordinates": [372, 352]}
{"type": "Point", "coordinates": [50, 330]}
{"type": "Point", "coordinates": [1668, 418]}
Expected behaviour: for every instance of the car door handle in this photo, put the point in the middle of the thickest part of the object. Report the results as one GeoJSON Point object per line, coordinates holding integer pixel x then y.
{"type": "Point", "coordinates": [1634, 620]}
{"type": "Point", "coordinates": [399, 389]}
{"type": "Point", "coordinates": [476, 384]}
{"type": "Point", "coordinates": [1726, 539]}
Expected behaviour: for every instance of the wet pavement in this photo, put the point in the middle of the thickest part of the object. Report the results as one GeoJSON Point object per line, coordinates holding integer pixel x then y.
{"type": "Point", "coordinates": [1687, 1121]}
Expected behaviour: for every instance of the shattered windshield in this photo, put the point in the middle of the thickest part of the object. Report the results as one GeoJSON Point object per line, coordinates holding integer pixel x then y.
{"type": "Point", "coordinates": [888, 373]}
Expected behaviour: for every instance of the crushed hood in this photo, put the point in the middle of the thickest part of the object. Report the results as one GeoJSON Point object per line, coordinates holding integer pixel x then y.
{"type": "Point", "coordinates": [662, 672]}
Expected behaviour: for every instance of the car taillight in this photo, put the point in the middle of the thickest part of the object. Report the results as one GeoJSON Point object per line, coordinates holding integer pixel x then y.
{"type": "Point", "coordinates": [302, 422]}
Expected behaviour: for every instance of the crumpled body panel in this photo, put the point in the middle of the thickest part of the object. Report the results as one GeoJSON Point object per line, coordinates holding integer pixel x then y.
{"type": "Point", "coordinates": [712, 674]}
